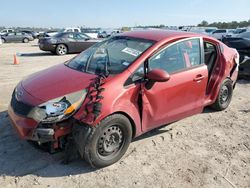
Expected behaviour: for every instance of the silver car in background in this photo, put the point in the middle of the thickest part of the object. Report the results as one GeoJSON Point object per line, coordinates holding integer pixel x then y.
{"type": "Point", "coordinates": [16, 37]}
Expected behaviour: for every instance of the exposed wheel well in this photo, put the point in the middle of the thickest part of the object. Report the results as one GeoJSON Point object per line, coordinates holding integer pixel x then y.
{"type": "Point", "coordinates": [131, 122]}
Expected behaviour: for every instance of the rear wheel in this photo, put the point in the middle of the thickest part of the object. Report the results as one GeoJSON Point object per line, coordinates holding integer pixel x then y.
{"type": "Point", "coordinates": [225, 95]}
{"type": "Point", "coordinates": [25, 40]}
{"type": "Point", "coordinates": [109, 142]}
{"type": "Point", "coordinates": [3, 40]}
{"type": "Point", "coordinates": [61, 49]}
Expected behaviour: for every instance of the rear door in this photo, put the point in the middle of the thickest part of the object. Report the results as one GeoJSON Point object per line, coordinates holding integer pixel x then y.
{"type": "Point", "coordinates": [19, 37]}
{"type": "Point", "coordinates": [71, 42]}
{"type": "Point", "coordinates": [184, 94]}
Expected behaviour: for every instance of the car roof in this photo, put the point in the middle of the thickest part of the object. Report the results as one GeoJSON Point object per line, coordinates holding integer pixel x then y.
{"type": "Point", "coordinates": [158, 35]}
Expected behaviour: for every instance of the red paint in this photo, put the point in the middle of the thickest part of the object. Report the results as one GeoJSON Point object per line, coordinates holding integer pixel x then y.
{"type": "Point", "coordinates": [184, 94]}
{"type": "Point", "coordinates": [158, 75]}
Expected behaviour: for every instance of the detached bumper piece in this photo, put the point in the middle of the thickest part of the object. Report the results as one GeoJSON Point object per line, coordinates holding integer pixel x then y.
{"type": "Point", "coordinates": [81, 133]}
{"type": "Point", "coordinates": [43, 135]}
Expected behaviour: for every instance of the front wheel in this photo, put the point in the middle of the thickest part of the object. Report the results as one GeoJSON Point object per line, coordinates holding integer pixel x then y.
{"type": "Point", "coordinates": [109, 142]}
{"type": "Point", "coordinates": [225, 95]}
{"type": "Point", "coordinates": [25, 40]}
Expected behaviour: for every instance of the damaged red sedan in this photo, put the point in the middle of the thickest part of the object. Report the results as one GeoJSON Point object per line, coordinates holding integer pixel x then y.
{"type": "Point", "coordinates": [121, 88]}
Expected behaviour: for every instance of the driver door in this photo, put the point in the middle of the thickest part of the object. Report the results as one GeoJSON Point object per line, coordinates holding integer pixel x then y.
{"type": "Point", "coordinates": [181, 96]}
{"type": "Point", "coordinates": [82, 42]}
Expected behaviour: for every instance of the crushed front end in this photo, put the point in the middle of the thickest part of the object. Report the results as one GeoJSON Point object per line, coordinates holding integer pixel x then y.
{"type": "Point", "coordinates": [47, 123]}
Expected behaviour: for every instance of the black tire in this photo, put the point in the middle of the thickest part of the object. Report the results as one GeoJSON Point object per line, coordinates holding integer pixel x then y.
{"type": "Point", "coordinates": [25, 40]}
{"type": "Point", "coordinates": [225, 95]}
{"type": "Point", "coordinates": [109, 141]}
{"type": "Point", "coordinates": [3, 40]}
{"type": "Point", "coordinates": [61, 49]}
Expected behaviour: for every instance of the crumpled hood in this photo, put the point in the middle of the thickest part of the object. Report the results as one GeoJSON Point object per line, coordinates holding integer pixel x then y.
{"type": "Point", "coordinates": [55, 82]}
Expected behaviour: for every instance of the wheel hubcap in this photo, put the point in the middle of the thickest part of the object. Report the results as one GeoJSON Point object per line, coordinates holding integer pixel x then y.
{"type": "Point", "coordinates": [224, 94]}
{"type": "Point", "coordinates": [110, 141]}
{"type": "Point", "coordinates": [62, 49]}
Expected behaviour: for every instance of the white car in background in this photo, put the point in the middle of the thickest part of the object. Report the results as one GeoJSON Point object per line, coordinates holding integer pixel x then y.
{"type": "Point", "coordinates": [92, 33]}
{"type": "Point", "coordinates": [5, 31]}
{"type": "Point", "coordinates": [52, 33]}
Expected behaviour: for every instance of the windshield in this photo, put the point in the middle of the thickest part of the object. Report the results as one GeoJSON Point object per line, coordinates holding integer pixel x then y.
{"type": "Point", "coordinates": [111, 56]}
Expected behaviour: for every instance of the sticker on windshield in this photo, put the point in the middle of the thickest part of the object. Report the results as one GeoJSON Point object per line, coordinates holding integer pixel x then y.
{"type": "Point", "coordinates": [131, 51]}
{"type": "Point", "coordinates": [125, 63]}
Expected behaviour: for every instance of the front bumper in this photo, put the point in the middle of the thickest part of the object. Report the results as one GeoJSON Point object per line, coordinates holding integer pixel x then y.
{"type": "Point", "coordinates": [29, 129]}
{"type": "Point", "coordinates": [24, 126]}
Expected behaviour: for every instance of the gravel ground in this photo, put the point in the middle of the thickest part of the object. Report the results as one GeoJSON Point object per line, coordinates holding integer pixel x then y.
{"type": "Point", "coordinates": [211, 149]}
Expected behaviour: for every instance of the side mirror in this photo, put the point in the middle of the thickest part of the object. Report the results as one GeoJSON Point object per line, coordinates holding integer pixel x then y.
{"type": "Point", "coordinates": [158, 75]}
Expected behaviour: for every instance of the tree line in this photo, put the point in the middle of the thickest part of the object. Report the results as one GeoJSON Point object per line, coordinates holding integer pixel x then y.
{"type": "Point", "coordinates": [225, 25]}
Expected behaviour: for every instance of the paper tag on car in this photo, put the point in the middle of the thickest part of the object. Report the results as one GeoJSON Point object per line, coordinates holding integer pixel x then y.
{"type": "Point", "coordinates": [131, 51]}
{"type": "Point", "coordinates": [125, 63]}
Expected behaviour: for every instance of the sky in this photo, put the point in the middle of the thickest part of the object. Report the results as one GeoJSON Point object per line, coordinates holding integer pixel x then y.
{"type": "Point", "coordinates": [118, 13]}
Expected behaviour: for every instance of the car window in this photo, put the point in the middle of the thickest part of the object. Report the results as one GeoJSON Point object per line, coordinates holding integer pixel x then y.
{"type": "Point", "coordinates": [220, 31]}
{"type": "Point", "coordinates": [176, 57]}
{"type": "Point", "coordinates": [19, 34]}
{"type": "Point", "coordinates": [80, 36]}
{"type": "Point", "coordinates": [71, 36]}
{"type": "Point", "coordinates": [76, 30]}
{"type": "Point", "coordinates": [11, 34]}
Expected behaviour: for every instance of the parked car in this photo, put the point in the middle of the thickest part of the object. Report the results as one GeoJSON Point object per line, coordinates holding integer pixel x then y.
{"type": "Point", "coordinates": [5, 31]}
{"type": "Point", "coordinates": [32, 33]}
{"type": "Point", "coordinates": [71, 29]}
{"type": "Point", "coordinates": [103, 34]}
{"type": "Point", "coordinates": [203, 30]}
{"type": "Point", "coordinates": [63, 43]}
{"type": "Point", "coordinates": [242, 43]}
{"type": "Point", "coordinates": [121, 88]}
{"type": "Point", "coordinates": [49, 33]}
{"type": "Point", "coordinates": [52, 33]}
{"type": "Point", "coordinates": [220, 33]}
{"type": "Point", "coordinates": [92, 33]}
{"type": "Point", "coordinates": [17, 37]}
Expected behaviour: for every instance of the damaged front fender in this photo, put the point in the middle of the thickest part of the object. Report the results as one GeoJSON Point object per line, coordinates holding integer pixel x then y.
{"type": "Point", "coordinates": [81, 133]}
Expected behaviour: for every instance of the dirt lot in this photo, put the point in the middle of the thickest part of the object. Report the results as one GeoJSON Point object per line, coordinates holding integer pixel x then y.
{"type": "Point", "coordinates": [211, 149]}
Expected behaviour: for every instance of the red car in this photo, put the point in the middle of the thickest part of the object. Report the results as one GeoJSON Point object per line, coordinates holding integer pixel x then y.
{"type": "Point", "coordinates": [121, 88]}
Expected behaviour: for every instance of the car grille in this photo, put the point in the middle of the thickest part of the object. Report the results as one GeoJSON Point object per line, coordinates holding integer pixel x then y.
{"type": "Point", "coordinates": [20, 107]}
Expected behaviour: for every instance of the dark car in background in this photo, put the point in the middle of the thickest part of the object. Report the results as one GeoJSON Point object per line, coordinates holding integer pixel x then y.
{"type": "Point", "coordinates": [32, 33]}
{"type": "Point", "coordinates": [242, 43]}
{"type": "Point", "coordinates": [69, 42]}
{"type": "Point", "coordinates": [16, 37]}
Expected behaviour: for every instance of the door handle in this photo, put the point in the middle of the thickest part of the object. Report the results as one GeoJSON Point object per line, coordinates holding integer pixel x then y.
{"type": "Point", "coordinates": [199, 77]}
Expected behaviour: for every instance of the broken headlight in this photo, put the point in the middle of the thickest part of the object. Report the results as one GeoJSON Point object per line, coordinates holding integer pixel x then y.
{"type": "Point", "coordinates": [58, 109]}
